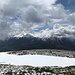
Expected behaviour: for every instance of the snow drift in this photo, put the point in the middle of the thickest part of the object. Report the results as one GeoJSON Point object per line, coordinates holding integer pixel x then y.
{"type": "Point", "coordinates": [36, 60]}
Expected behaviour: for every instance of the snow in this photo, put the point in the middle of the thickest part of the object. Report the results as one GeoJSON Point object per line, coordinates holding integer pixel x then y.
{"type": "Point", "coordinates": [36, 60]}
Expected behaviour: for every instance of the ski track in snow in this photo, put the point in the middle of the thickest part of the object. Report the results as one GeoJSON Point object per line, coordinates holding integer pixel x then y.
{"type": "Point", "coordinates": [36, 60]}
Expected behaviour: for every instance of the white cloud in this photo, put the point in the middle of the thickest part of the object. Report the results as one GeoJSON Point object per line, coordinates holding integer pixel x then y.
{"type": "Point", "coordinates": [46, 2]}
{"type": "Point", "coordinates": [57, 11]}
{"type": "Point", "coordinates": [29, 15]}
{"type": "Point", "coordinates": [57, 31]}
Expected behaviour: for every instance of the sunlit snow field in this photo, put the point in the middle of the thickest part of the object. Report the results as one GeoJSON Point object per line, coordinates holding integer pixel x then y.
{"type": "Point", "coordinates": [36, 60]}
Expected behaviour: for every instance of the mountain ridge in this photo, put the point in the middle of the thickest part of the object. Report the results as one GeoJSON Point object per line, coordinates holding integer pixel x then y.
{"type": "Point", "coordinates": [28, 43]}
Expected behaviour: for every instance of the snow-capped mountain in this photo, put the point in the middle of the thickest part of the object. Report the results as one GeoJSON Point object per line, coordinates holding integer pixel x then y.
{"type": "Point", "coordinates": [31, 42]}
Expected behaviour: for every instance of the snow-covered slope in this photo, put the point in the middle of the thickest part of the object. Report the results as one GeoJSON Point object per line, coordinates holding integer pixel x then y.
{"type": "Point", "coordinates": [36, 60]}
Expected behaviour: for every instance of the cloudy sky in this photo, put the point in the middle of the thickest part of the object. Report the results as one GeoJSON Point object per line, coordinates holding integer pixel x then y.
{"type": "Point", "coordinates": [40, 18]}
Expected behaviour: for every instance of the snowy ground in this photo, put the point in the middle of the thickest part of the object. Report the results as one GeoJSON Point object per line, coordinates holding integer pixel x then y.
{"type": "Point", "coordinates": [35, 60]}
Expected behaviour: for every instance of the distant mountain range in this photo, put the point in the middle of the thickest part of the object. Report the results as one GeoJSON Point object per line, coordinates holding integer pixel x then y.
{"type": "Point", "coordinates": [29, 42]}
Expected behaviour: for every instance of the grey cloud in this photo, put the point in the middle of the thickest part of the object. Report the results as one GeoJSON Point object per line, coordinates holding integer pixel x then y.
{"type": "Point", "coordinates": [71, 18]}
{"type": "Point", "coordinates": [4, 29]}
{"type": "Point", "coordinates": [9, 11]}
{"type": "Point", "coordinates": [32, 15]}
